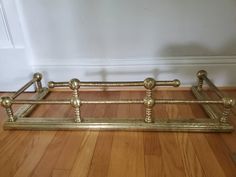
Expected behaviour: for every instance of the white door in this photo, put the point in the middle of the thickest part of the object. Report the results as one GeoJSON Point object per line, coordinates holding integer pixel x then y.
{"type": "Point", "coordinates": [14, 63]}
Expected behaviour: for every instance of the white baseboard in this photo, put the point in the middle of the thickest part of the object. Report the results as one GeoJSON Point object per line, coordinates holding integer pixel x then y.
{"type": "Point", "coordinates": [221, 69]}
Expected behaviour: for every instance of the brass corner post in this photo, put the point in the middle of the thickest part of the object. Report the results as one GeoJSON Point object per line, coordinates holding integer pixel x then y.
{"type": "Point", "coordinates": [74, 84]}
{"type": "Point", "coordinates": [228, 104]}
{"type": "Point", "coordinates": [149, 102]}
{"type": "Point", "coordinates": [38, 85]}
{"type": "Point", "coordinates": [200, 75]}
{"type": "Point", "coordinates": [6, 102]}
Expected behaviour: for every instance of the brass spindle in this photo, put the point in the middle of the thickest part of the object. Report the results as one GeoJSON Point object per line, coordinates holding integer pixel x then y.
{"type": "Point", "coordinates": [74, 84]}
{"type": "Point", "coordinates": [228, 104]}
{"type": "Point", "coordinates": [38, 84]}
{"type": "Point", "coordinates": [149, 102]}
{"type": "Point", "coordinates": [200, 75]}
{"type": "Point", "coordinates": [6, 102]}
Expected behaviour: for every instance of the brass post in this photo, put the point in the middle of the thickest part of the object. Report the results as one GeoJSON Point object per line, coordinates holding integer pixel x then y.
{"type": "Point", "coordinates": [228, 104]}
{"type": "Point", "coordinates": [149, 102]}
{"type": "Point", "coordinates": [38, 84]}
{"type": "Point", "coordinates": [200, 75]}
{"type": "Point", "coordinates": [6, 102]}
{"type": "Point", "coordinates": [74, 84]}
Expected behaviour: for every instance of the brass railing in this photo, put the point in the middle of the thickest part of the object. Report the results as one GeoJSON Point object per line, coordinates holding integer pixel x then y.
{"type": "Point", "coordinates": [218, 121]}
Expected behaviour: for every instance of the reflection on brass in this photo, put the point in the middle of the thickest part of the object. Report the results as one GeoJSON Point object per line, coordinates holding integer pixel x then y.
{"type": "Point", "coordinates": [74, 84]}
{"type": "Point", "coordinates": [149, 84]}
{"type": "Point", "coordinates": [38, 84]}
{"type": "Point", "coordinates": [217, 121]}
{"type": "Point", "coordinates": [228, 104]}
{"type": "Point", "coordinates": [6, 102]}
{"type": "Point", "coordinates": [200, 75]}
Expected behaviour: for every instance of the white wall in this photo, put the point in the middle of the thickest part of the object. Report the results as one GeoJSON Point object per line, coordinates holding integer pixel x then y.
{"type": "Point", "coordinates": [15, 69]}
{"type": "Point", "coordinates": [131, 39]}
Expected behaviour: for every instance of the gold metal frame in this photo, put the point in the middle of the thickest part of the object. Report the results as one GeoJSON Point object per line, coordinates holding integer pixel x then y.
{"type": "Point", "coordinates": [217, 121]}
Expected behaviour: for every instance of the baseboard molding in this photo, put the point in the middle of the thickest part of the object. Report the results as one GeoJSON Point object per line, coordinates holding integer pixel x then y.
{"type": "Point", "coordinates": [221, 69]}
{"type": "Point", "coordinates": [106, 62]}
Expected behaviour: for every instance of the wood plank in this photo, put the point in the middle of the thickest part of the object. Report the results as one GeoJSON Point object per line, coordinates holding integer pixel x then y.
{"type": "Point", "coordinates": [127, 153]}
{"type": "Point", "coordinates": [84, 157]}
{"type": "Point", "coordinates": [60, 173]}
{"type": "Point", "coordinates": [222, 153]}
{"type": "Point", "coordinates": [11, 150]}
{"type": "Point", "coordinates": [37, 145]}
{"type": "Point", "coordinates": [153, 155]}
{"type": "Point", "coordinates": [46, 164]}
{"type": "Point", "coordinates": [102, 154]}
{"type": "Point", "coordinates": [70, 150]}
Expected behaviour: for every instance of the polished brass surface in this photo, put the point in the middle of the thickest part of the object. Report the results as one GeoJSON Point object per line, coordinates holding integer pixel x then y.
{"type": "Point", "coordinates": [174, 83]}
{"type": "Point", "coordinates": [38, 85]}
{"type": "Point", "coordinates": [133, 101]}
{"type": "Point", "coordinates": [200, 75]}
{"type": "Point", "coordinates": [6, 102]}
{"type": "Point", "coordinates": [22, 89]}
{"type": "Point", "coordinates": [218, 121]}
{"type": "Point", "coordinates": [74, 84]}
{"type": "Point", "coordinates": [187, 125]}
{"type": "Point", "coordinates": [228, 104]}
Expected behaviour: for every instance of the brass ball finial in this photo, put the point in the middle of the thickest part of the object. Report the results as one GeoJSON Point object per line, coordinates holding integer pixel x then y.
{"type": "Point", "coordinates": [149, 83]}
{"type": "Point", "coordinates": [201, 73]}
{"type": "Point", "coordinates": [149, 102]}
{"type": "Point", "coordinates": [75, 102]}
{"type": "Point", "coordinates": [38, 76]}
{"type": "Point", "coordinates": [74, 84]}
{"type": "Point", "coordinates": [228, 102]}
{"type": "Point", "coordinates": [177, 83]}
{"type": "Point", "coordinates": [6, 102]}
{"type": "Point", "coordinates": [51, 84]}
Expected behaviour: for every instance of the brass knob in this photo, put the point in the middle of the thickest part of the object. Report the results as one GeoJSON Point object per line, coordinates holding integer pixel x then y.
{"type": "Point", "coordinates": [74, 84]}
{"type": "Point", "coordinates": [149, 83]}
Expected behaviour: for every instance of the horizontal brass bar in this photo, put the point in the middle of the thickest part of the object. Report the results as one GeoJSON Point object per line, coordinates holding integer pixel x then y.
{"type": "Point", "coordinates": [22, 89]}
{"type": "Point", "coordinates": [52, 84]}
{"type": "Point", "coordinates": [173, 83]}
{"type": "Point", "coordinates": [171, 101]}
{"type": "Point", "coordinates": [157, 101]}
{"type": "Point", "coordinates": [41, 102]}
{"type": "Point", "coordinates": [112, 102]}
{"type": "Point", "coordinates": [112, 84]}
{"type": "Point", "coordinates": [186, 125]}
{"type": "Point", "coordinates": [213, 87]}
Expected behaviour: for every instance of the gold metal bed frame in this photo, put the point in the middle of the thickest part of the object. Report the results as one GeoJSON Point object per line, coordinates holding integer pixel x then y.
{"type": "Point", "coordinates": [217, 121]}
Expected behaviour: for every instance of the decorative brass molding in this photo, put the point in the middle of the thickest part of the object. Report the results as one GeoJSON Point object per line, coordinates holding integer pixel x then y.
{"type": "Point", "coordinates": [217, 121]}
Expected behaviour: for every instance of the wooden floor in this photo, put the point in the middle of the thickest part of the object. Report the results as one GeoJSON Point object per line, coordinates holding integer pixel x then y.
{"type": "Point", "coordinates": [117, 153]}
